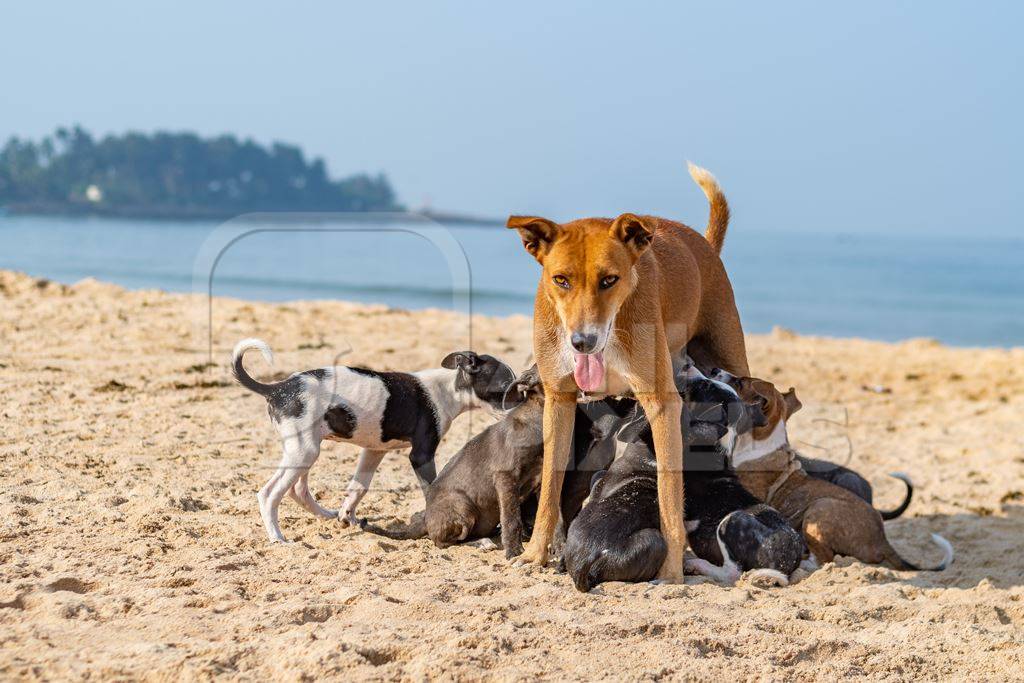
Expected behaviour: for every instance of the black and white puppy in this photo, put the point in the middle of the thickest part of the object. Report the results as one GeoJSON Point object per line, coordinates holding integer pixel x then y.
{"type": "Point", "coordinates": [617, 536]}
{"type": "Point", "coordinates": [380, 411]}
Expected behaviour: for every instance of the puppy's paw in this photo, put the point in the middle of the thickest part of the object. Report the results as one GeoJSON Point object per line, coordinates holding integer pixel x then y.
{"type": "Point", "coordinates": [767, 578]}
{"type": "Point", "coordinates": [725, 575]}
{"type": "Point", "coordinates": [483, 544]}
{"type": "Point", "coordinates": [348, 518]}
{"type": "Point", "coordinates": [281, 541]}
{"type": "Point", "coordinates": [513, 551]}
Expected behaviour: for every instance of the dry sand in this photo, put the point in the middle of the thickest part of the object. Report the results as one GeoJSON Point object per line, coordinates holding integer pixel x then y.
{"type": "Point", "coordinates": [131, 545]}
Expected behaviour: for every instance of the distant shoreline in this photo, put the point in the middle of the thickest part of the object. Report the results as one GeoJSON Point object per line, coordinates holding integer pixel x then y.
{"type": "Point", "coordinates": [777, 332]}
{"type": "Point", "coordinates": [198, 214]}
{"type": "Point", "coordinates": [963, 292]}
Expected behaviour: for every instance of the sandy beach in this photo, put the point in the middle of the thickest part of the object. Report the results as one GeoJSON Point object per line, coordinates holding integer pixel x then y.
{"type": "Point", "coordinates": [131, 545]}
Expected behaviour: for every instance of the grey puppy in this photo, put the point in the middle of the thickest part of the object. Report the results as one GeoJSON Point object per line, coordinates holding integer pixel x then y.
{"type": "Point", "coordinates": [485, 484]}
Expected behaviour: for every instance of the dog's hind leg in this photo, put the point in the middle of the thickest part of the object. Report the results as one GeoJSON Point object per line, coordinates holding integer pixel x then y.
{"type": "Point", "coordinates": [300, 452]}
{"type": "Point", "coordinates": [367, 465]}
{"type": "Point", "coordinates": [817, 542]}
{"type": "Point", "coordinates": [729, 572]}
{"type": "Point", "coordinates": [724, 575]}
{"type": "Point", "coordinates": [304, 497]}
{"type": "Point", "coordinates": [721, 347]}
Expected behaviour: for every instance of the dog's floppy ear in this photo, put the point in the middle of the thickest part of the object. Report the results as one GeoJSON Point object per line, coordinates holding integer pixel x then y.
{"type": "Point", "coordinates": [529, 380]}
{"type": "Point", "coordinates": [763, 391]}
{"type": "Point", "coordinates": [756, 415]}
{"type": "Point", "coordinates": [537, 233]}
{"type": "Point", "coordinates": [463, 360]}
{"type": "Point", "coordinates": [793, 404]}
{"type": "Point", "coordinates": [633, 231]}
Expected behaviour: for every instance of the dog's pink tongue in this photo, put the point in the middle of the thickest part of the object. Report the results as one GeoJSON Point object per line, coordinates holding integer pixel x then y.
{"type": "Point", "coordinates": [589, 371]}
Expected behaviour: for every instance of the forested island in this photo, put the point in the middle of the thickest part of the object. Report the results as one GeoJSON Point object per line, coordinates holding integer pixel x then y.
{"type": "Point", "coordinates": [175, 175]}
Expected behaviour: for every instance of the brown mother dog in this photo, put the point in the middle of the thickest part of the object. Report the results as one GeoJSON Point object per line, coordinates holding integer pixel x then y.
{"type": "Point", "coordinates": [617, 299]}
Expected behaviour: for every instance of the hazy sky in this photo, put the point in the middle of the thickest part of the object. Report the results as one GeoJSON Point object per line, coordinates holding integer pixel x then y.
{"type": "Point", "coordinates": [880, 116]}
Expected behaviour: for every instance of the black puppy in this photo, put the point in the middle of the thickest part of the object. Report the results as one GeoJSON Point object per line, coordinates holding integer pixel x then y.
{"type": "Point", "coordinates": [617, 538]}
{"type": "Point", "coordinates": [854, 483]}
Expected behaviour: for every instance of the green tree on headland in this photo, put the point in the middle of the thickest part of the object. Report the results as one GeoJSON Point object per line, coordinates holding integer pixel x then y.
{"type": "Point", "coordinates": [175, 175]}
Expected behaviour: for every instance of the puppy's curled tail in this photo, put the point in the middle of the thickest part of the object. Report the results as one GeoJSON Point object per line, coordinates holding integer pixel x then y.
{"type": "Point", "coordinates": [893, 514]}
{"type": "Point", "coordinates": [239, 372]}
{"type": "Point", "coordinates": [718, 221]}
{"type": "Point", "coordinates": [416, 528]}
{"type": "Point", "coordinates": [893, 558]}
{"type": "Point", "coordinates": [639, 560]}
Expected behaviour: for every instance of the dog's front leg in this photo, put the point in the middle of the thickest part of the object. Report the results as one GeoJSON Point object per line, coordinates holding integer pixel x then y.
{"type": "Point", "coordinates": [367, 465]}
{"type": "Point", "coordinates": [421, 457]}
{"type": "Point", "coordinates": [510, 513]}
{"type": "Point", "coordinates": [559, 415]}
{"type": "Point", "coordinates": [664, 411]}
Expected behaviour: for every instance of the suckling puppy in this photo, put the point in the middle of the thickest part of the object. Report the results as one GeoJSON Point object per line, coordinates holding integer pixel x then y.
{"type": "Point", "coordinates": [486, 482]}
{"type": "Point", "coordinates": [833, 520]}
{"type": "Point", "coordinates": [617, 537]}
{"type": "Point", "coordinates": [380, 411]}
{"type": "Point", "coordinates": [854, 483]}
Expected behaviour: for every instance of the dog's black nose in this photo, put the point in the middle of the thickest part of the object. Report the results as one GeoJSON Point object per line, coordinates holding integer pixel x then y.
{"type": "Point", "coordinates": [714, 371]}
{"type": "Point", "coordinates": [584, 343]}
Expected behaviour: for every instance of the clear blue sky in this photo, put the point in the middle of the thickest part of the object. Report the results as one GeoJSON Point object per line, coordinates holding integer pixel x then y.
{"type": "Point", "coordinates": [880, 116]}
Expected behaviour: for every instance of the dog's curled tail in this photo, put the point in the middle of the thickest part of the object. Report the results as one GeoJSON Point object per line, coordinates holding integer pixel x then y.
{"type": "Point", "coordinates": [239, 371]}
{"type": "Point", "coordinates": [416, 528]}
{"type": "Point", "coordinates": [899, 563]}
{"type": "Point", "coordinates": [893, 514]}
{"type": "Point", "coordinates": [718, 221]}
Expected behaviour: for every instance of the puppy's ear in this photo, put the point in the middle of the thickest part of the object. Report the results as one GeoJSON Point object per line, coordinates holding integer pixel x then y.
{"type": "Point", "coordinates": [529, 381]}
{"type": "Point", "coordinates": [763, 393]}
{"type": "Point", "coordinates": [605, 426]}
{"type": "Point", "coordinates": [793, 404]}
{"type": "Point", "coordinates": [633, 231]}
{"type": "Point", "coordinates": [463, 360]}
{"type": "Point", "coordinates": [538, 234]}
{"type": "Point", "coordinates": [756, 415]}
{"type": "Point", "coordinates": [634, 426]}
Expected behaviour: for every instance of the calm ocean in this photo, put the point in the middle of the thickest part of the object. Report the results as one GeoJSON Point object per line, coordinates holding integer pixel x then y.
{"type": "Point", "coordinates": [962, 290]}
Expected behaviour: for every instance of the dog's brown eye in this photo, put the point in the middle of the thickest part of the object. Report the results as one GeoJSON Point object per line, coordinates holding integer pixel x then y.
{"type": "Point", "coordinates": [561, 280]}
{"type": "Point", "coordinates": [609, 280]}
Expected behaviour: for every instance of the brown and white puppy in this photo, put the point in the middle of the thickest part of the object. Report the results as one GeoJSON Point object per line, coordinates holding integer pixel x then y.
{"type": "Point", "coordinates": [616, 301]}
{"type": "Point", "coordinates": [833, 520]}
